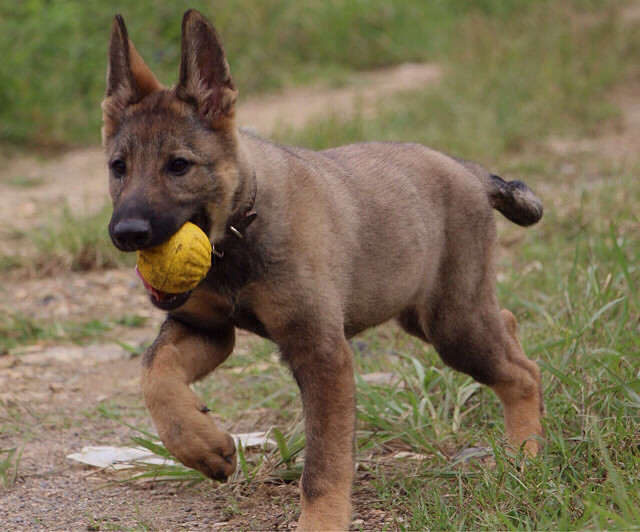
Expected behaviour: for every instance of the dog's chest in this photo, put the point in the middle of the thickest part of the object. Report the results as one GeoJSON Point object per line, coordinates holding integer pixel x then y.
{"type": "Point", "coordinates": [220, 296]}
{"type": "Point", "coordinates": [244, 318]}
{"type": "Point", "coordinates": [230, 273]}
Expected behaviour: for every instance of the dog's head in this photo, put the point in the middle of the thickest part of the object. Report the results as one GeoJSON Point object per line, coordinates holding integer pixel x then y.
{"type": "Point", "coordinates": [172, 152]}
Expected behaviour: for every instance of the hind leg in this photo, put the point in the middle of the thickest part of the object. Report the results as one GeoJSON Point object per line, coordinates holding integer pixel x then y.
{"type": "Point", "coordinates": [484, 344]}
{"type": "Point", "coordinates": [520, 391]}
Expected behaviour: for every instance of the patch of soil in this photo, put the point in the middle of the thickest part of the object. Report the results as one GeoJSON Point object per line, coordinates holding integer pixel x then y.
{"type": "Point", "coordinates": [48, 410]}
{"type": "Point", "coordinates": [73, 295]}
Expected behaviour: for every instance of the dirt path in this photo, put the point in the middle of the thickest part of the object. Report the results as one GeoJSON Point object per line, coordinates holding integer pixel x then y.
{"type": "Point", "coordinates": [50, 394]}
{"type": "Point", "coordinates": [296, 107]}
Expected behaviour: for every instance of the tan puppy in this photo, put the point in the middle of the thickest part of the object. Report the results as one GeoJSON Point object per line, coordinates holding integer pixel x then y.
{"type": "Point", "coordinates": [333, 242]}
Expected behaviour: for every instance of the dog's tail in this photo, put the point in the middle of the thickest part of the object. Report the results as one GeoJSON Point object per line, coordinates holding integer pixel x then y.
{"type": "Point", "coordinates": [515, 200]}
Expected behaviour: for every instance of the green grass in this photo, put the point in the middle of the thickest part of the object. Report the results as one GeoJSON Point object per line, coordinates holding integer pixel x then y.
{"type": "Point", "coordinates": [52, 76]}
{"type": "Point", "coordinates": [68, 241]}
{"type": "Point", "coordinates": [77, 243]}
{"type": "Point", "coordinates": [18, 330]}
{"type": "Point", "coordinates": [585, 336]}
{"type": "Point", "coordinates": [9, 462]}
{"type": "Point", "coordinates": [25, 182]}
{"type": "Point", "coordinates": [114, 523]}
{"type": "Point", "coordinates": [545, 75]}
{"type": "Point", "coordinates": [52, 81]}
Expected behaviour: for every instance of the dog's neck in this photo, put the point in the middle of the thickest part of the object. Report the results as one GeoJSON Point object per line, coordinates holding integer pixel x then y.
{"type": "Point", "coordinates": [243, 215]}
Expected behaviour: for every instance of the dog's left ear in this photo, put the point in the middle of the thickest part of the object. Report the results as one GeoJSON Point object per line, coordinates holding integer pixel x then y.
{"type": "Point", "coordinates": [129, 79]}
{"type": "Point", "coordinates": [205, 78]}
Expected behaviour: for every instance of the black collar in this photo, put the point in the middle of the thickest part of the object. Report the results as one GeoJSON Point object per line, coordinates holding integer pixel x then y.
{"type": "Point", "coordinates": [237, 224]}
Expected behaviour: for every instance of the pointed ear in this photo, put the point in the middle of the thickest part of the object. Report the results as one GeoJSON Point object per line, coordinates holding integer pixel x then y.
{"type": "Point", "coordinates": [205, 79]}
{"type": "Point", "coordinates": [129, 79]}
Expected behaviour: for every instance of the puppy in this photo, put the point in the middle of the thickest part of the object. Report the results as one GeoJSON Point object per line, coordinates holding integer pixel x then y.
{"type": "Point", "coordinates": [311, 248]}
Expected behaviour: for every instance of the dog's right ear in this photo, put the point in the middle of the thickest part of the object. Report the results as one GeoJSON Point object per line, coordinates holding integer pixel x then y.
{"type": "Point", "coordinates": [129, 79]}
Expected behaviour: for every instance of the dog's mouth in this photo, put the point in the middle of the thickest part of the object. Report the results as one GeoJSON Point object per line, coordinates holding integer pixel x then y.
{"type": "Point", "coordinates": [163, 300]}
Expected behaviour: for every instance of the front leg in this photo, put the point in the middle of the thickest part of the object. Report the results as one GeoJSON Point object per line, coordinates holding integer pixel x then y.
{"type": "Point", "coordinates": [326, 381]}
{"type": "Point", "coordinates": [179, 356]}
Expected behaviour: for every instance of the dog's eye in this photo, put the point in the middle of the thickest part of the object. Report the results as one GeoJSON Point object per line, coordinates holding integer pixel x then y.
{"type": "Point", "coordinates": [119, 168]}
{"type": "Point", "coordinates": [179, 166]}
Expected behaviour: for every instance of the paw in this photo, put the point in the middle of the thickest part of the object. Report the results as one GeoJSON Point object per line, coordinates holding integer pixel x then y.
{"type": "Point", "coordinates": [532, 447]}
{"type": "Point", "coordinates": [527, 437]}
{"type": "Point", "coordinates": [193, 438]}
{"type": "Point", "coordinates": [330, 511]}
{"type": "Point", "coordinates": [312, 521]}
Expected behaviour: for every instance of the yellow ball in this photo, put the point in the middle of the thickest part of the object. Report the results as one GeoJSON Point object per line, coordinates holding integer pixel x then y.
{"type": "Point", "coordinates": [180, 263]}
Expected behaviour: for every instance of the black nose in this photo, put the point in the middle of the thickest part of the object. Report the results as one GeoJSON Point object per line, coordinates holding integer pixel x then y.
{"type": "Point", "coordinates": [131, 233]}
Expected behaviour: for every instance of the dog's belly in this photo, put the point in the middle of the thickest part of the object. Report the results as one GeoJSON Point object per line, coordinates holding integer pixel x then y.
{"type": "Point", "coordinates": [375, 306]}
{"type": "Point", "coordinates": [381, 288]}
{"type": "Point", "coordinates": [393, 271]}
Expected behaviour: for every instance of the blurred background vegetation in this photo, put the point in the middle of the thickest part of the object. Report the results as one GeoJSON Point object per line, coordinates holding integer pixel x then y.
{"type": "Point", "coordinates": [54, 52]}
